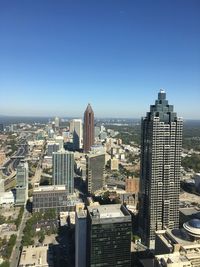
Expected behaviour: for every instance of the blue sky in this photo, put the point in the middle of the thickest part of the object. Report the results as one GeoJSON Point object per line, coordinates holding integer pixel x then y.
{"type": "Point", "coordinates": [56, 56]}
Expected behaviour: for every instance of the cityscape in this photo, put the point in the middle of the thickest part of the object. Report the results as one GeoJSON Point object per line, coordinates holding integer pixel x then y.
{"type": "Point", "coordinates": [97, 166]}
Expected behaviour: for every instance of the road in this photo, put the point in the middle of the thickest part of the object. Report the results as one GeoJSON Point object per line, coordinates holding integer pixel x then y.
{"type": "Point", "coordinates": [14, 259]}
{"type": "Point", "coordinates": [12, 164]}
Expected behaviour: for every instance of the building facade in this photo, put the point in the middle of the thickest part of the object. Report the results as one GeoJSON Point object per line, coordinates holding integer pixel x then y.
{"type": "Point", "coordinates": [80, 238]}
{"type": "Point", "coordinates": [22, 183]}
{"type": "Point", "coordinates": [95, 172]}
{"type": "Point", "coordinates": [76, 128]}
{"type": "Point", "coordinates": [108, 236]}
{"type": "Point", "coordinates": [161, 142]}
{"type": "Point", "coordinates": [63, 169]}
{"type": "Point", "coordinates": [50, 197]}
{"type": "Point", "coordinates": [88, 130]}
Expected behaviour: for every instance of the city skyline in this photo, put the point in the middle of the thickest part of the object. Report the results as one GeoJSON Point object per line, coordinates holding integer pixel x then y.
{"type": "Point", "coordinates": [58, 56]}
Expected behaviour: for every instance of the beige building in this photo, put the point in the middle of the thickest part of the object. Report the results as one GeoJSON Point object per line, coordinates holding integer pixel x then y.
{"type": "Point", "coordinates": [132, 185]}
{"type": "Point", "coordinates": [2, 157]}
{"type": "Point", "coordinates": [114, 164]}
{"type": "Point", "coordinates": [36, 256]}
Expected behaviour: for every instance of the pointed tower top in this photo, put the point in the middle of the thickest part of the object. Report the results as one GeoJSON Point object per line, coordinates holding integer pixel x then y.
{"type": "Point", "coordinates": [89, 108]}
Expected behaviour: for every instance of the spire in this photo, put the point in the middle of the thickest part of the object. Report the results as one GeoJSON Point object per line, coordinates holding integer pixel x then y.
{"type": "Point", "coordinates": [89, 108]}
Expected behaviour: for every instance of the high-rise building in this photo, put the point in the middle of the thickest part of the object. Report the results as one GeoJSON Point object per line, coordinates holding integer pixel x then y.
{"type": "Point", "coordinates": [80, 238]}
{"type": "Point", "coordinates": [88, 131]}
{"type": "Point", "coordinates": [52, 146]}
{"type": "Point", "coordinates": [63, 169]}
{"type": "Point", "coordinates": [108, 236]}
{"type": "Point", "coordinates": [95, 172]}
{"type": "Point", "coordinates": [1, 127]}
{"type": "Point", "coordinates": [57, 122]}
{"type": "Point", "coordinates": [22, 183]}
{"type": "Point", "coordinates": [77, 131]}
{"type": "Point", "coordinates": [161, 142]}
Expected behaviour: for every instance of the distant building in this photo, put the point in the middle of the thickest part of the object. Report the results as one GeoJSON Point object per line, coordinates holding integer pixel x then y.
{"type": "Point", "coordinates": [77, 131]}
{"type": "Point", "coordinates": [132, 185]}
{"type": "Point", "coordinates": [22, 183]}
{"type": "Point", "coordinates": [52, 146]}
{"type": "Point", "coordinates": [80, 238]}
{"type": "Point", "coordinates": [48, 197]}
{"type": "Point", "coordinates": [114, 164]}
{"type": "Point", "coordinates": [60, 141]}
{"type": "Point", "coordinates": [109, 236]}
{"type": "Point", "coordinates": [95, 172]}
{"type": "Point", "coordinates": [88, 130]}
{"type": "Point", "coordinates": [1, 127]}
{"type": "Point", "coordinates": [161, 143]}
{"type": "Point", "coordinates": [63, 169]}
{"type": "Point", "coordinates": [57, 122]}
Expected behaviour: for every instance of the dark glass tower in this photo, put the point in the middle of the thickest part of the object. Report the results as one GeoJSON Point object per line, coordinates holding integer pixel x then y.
{"type": "Point", "coordinates": [88, 132]}
{"type": "Point", "coordinates": [161, 142]}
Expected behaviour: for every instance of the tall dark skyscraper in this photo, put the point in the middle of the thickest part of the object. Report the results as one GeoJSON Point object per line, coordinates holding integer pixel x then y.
{"type": "Point", "coordinates": [161, 142]}
{"type": "Point", "coordinates": [109, 230]}
{"type": "Point", "coordinates": [88, 132]}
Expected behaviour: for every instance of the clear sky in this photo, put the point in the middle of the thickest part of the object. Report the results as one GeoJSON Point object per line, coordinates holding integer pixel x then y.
{"type": "Point", "coordinates": [58, 55]}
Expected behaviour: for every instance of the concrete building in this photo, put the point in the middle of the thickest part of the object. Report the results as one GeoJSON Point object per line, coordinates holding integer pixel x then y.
{"type": "Point", "coordinates": [63, 169]}
{"type": "Point", "coordinates": [48, 197]}
{"type": "Point", "coordinates": [88, 130]}
{"type": "Point", "coordinates": [95, 172]}
{"type": "Point", "coordinates": [114, 164]}
{"type": "Point", "coordinates": [161, 143]}
{"type": "Point", "coordinates": [108, 236]}
{"type": "Point", "coordinates": [1, 127]}
{"type": "Point", "coordinates": [76, 128]}
{"type": "Point", "coordinates": [37, 256]}
{"type": "Point", "coordinates": [176, 249]}
{"type": "Point", "coordinates": [7, 198]}
{"type": "Point", "coordinates": [80, 238]}
{"type": "Point", "coordinates": [60, 141]}
{"type": "Point", "coordinates": [132, 185]}
{"type": "Point", "coordinates": [22, 183]}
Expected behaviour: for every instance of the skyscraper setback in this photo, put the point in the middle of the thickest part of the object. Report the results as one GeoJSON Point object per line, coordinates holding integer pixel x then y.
{"type": "Point", "coordinates": [161, 142]}
{"type": "Point", "coordinates": [88, 133]}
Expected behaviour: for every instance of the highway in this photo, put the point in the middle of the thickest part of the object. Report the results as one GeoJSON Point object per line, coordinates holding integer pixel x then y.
{"type": "Point", "coordinates": [12, 163]}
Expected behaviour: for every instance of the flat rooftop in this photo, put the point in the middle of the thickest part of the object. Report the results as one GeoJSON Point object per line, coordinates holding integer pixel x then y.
{"type": "Point", "coordinates": [49, 188]}
{"type": "Point", "coordinates": [36, 256]}
{"type": "Point", "coordinates": [108, 211]}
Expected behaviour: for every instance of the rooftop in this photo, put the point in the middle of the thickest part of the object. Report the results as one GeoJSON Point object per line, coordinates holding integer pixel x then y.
{"type": "Point", "coordinates": [108, 211]}
{"type": "Point", "coordinates": [47, 188]}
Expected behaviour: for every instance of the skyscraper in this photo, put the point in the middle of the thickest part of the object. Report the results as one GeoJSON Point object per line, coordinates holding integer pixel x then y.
{"type": "Point", "coordinates": [161, 142]}
{"type": "Point", "coordinates": [22, 183]}
{"type": "Point", "coordinates": [88, 132]}
{"type": "Point", "coordinates": [63, 169]}
{"type": "Point", "coordinates": [77, 131]}
{"type": "Point", "coordinates": [109, 236]}
{"type": "Point", "coordinates": [95, 172]}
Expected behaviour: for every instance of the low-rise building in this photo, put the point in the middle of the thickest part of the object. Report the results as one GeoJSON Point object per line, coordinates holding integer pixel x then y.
{"type": "Point", "coordinates": [37, 256]}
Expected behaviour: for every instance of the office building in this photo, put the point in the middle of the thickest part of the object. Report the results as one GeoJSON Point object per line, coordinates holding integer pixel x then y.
{"type": "Point", "coordinates": [161, 141]}
{"type": "Point", "coordinates": [52, 146]}
{"type": "Point", "coordinates": [95, 172]}
{"type": "Point", "coordinates": [49, 197]}
{"type": "Point", "coordinates": [108, 236]}
{"type": "Point", "coordinates": [63, 169]}
{"type": "Point", "coordinates": [22, 183]}
{"type": "Point", "coordinates": [80, 238]}
{"type": "Point", "coordinates": [76, 129]}
{"type": "Point", "coordinates": [88, 131]}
